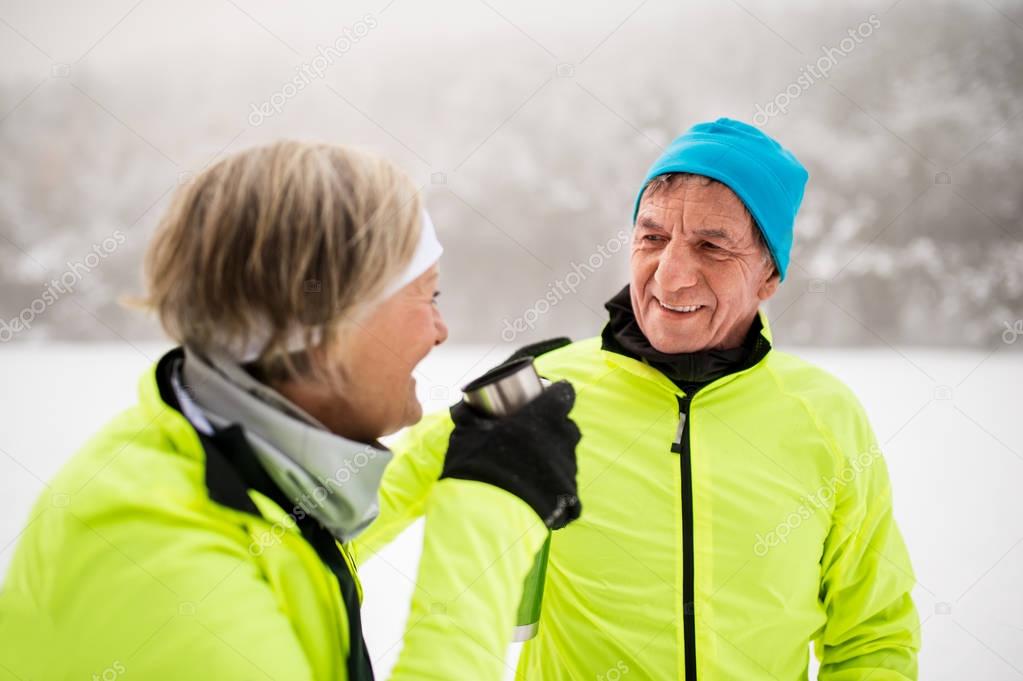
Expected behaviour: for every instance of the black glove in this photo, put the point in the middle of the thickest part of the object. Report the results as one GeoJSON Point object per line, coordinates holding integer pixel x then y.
{"type": "Point", "coordinates": [530, 453]}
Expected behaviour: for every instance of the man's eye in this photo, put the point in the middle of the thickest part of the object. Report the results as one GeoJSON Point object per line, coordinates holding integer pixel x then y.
{"type": "Point", "coordinates": [652, 237]}
{"type": "Point", "coordinates": [711, 247]}
{"type": "Point", "coordinates": [436, 295]}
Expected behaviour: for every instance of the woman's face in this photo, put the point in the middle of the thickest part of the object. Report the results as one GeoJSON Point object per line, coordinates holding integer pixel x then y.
{"type": "Point", "coordinates": [378, 357]}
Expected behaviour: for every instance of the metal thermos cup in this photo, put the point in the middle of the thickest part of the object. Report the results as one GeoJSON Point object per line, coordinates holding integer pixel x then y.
{"type": "Point", "coordinates": [500, 392]}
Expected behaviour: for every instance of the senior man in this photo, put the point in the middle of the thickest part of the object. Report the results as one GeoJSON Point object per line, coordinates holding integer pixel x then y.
{"type": "Point", "coordinates": [736, 504]}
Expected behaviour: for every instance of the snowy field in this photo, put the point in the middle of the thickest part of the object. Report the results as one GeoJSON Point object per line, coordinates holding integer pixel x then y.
{"type": "Point", "coordinates": [948, 422]}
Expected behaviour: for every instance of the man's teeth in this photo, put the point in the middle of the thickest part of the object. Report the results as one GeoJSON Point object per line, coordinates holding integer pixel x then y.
{"type": "Point", "coordinates": [682, 308]}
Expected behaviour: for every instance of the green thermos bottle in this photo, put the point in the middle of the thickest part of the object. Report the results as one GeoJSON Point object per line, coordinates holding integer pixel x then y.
{"type": "Point", "coordinates": [499, 392]}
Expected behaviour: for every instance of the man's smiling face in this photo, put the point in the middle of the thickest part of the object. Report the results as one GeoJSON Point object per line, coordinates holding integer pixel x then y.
{"type": "Point", "coordinates": [699, 267]}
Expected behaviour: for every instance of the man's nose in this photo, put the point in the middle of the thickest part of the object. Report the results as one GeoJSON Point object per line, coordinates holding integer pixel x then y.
{"type": "Point", "coordinates": [677, 268]}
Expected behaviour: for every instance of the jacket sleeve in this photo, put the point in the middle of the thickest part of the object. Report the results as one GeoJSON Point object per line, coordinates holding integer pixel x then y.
{"type": "Point", "coordinates": [407, 482]}
{"type": "Point", "coordinates": [872, 626]}
{"type": "Point", "coordinates": [480, 543]}
{"type": "Point", "coordinates": [153, 600]}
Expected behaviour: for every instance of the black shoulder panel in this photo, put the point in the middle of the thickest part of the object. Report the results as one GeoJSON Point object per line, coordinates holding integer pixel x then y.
{"type": "Point", "coordinates": [540, 348]}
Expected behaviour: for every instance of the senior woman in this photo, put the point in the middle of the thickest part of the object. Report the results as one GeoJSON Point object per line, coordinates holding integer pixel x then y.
{"type": "Point", "coordinates": [205, 532]}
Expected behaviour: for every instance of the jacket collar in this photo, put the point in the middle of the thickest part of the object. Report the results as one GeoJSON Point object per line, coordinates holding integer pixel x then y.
{"type": "Point", "coordinates": [689, 371]}
{"type": "Point", "coordinates": [158, 402]}
{"type": "Point", "coordinates": [329, 477]}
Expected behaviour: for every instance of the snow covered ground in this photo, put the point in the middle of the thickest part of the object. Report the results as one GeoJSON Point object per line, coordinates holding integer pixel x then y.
{"type": "Point", "coordinates": [948, 421]}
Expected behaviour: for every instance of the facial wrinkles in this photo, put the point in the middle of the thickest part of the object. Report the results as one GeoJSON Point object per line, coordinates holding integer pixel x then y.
{"type": "Point", "coordinates": [710, 207]}
{"type": "Point", "coordinates": [690, 208]}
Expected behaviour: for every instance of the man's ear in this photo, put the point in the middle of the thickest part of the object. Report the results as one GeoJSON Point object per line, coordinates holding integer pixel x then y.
{"type": "Point", "coordinates": [770, 284]}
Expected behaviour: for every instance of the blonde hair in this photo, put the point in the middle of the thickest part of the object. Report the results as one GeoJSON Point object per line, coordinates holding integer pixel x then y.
{"type": "Point", "coordinates": [282, 237]}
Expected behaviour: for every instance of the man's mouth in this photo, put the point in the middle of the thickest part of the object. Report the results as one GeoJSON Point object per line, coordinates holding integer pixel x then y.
{"type": "Point", "coordinates": [681, 308]}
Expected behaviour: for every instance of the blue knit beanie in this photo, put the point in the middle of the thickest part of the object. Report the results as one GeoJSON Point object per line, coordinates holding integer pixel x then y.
{"type": "Point", "coordinates": [765, 175]}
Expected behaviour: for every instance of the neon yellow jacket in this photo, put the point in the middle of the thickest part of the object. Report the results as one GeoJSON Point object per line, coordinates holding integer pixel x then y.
{"type": "Point", "coordinates": [127, 567]}
{"type": "Point", "coordinates": [792, 537]}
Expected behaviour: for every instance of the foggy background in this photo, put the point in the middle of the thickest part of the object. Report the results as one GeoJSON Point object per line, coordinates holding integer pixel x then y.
{"type": "Point", "coordinates": [528, 126]}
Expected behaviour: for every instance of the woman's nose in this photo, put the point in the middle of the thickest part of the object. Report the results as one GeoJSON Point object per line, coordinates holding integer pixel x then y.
{"type": "Point", "coordinates": [442, 329]}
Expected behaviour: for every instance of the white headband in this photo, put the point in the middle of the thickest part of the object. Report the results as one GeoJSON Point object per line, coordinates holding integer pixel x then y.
{"type": "Point", "coordinates": [427, 252]}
